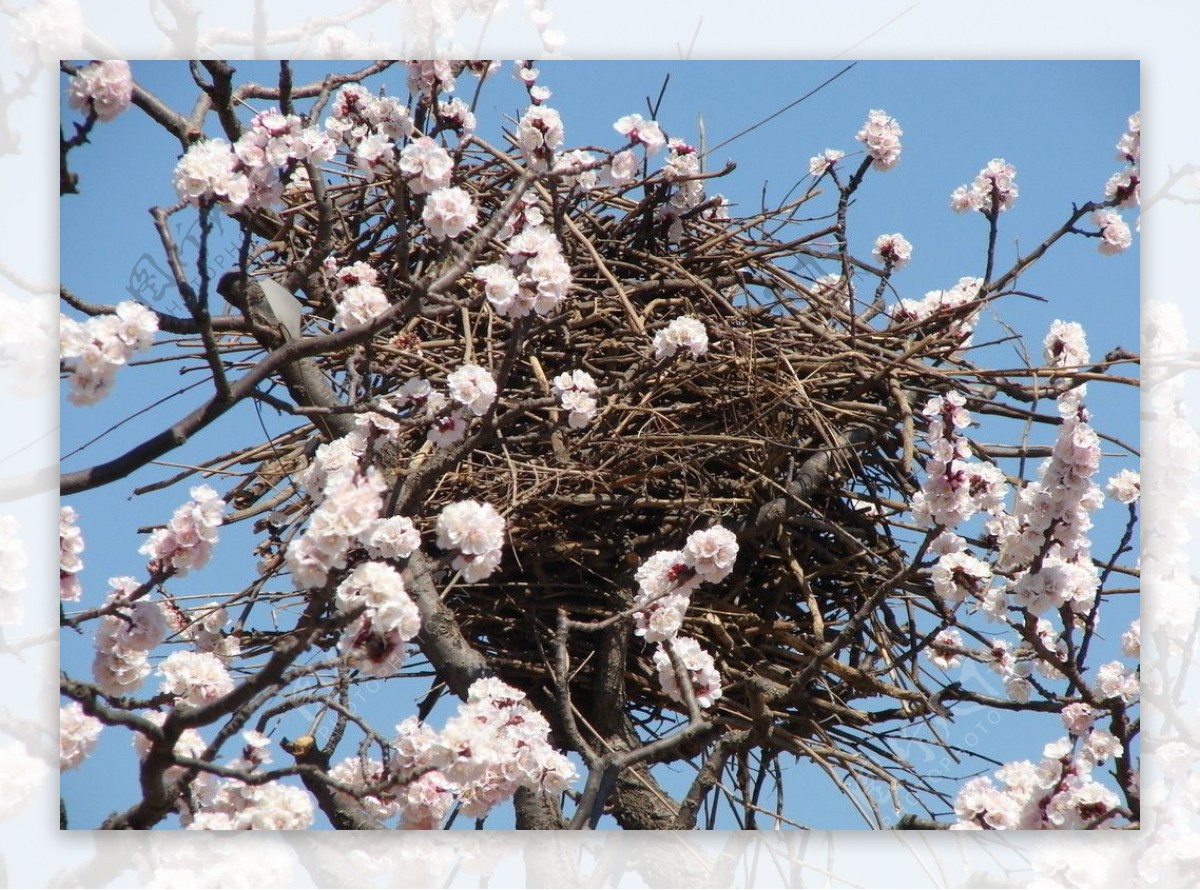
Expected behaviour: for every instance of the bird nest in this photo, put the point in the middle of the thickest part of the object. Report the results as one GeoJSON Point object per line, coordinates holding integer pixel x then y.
{"type": "Point", "coordinates": [794, 430]}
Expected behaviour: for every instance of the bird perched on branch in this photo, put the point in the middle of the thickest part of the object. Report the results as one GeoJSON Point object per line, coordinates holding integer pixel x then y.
{"type": "Point", "coordinates": [271, 307]}
{"type": "Point", "coordinates": [262, 298]}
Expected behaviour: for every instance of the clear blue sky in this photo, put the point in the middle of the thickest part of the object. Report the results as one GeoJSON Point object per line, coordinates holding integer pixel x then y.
{"type": "Point", "coordinates": [1056, 121]}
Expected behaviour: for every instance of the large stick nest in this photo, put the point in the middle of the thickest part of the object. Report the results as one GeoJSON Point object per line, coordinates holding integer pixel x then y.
{"type": "Point", "coordinates": [794, 430]}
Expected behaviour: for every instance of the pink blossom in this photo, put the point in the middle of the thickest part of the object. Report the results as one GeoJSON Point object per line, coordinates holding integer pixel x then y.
{"type": "Point", "coordinates": [1129, 146]}
{"type": "Point", "coordinates": [186, 543]}
{"type": "Point", "coordinates": [77, 735]}
{"type": "Point", "coordinates": [711, 553]}
{"type": "Point", "coordinates": [427, 166]}
{"type": "Point", "coordinates": [1114, 231]}
{"type": "Point", "coordinates": [473, 387]}
{"type": "Point", "coordinates": [195, 678]}
{"type": "Point", "coordinates": [447, 429]}
{"type": "Point", "coordinates": [359, 304]}
{"type": "Point", "coordinates": [207, 171]}
{"type": "Point", "coordinates": [1078, 718]}
{"type": "Point", "coordinates": [502, 290]}
{"type": "Point", "coordinates": [623, 167]}
{"type": "Point", "coordinates": [1065, 345]}
{"type": "Point", "coordinates": [685, 332]}
{"type": "Point", "coordinates": [539, 133]}
{"type": "Point", "coordinates": [576, 392]}
{"type": "Point", "coordinates": [824, 162]}
{"type": "Point", "coordinates": [881, 135]}
{"type": "Point", "coordinates": [944, 649]}
{"type": "Point", "coordinates": [1125, 486]}
{"type": "Point", "coordinates": [476, 531]}
{"type": "Point", "coordinates": [992, 191]}
{"type": "Point", "coordinates": [699, 665]}
{"type": "Point", "coordinates": [893, 250]}
{"type": "Point", "coordinates": [379, 590]}
{"type": "Point", "coordinates": [103, 87]}
{"type": "Point", "coordinates": [1124, 187]}
{"type": "Point", "coordinates": [958, 576]}
{"type": "Point", "coordinates": [392, 538]}
{"type": "Point", "coordinates": [640, 130]}
{"type": "Point", "coordinates": [449, 212]}
{"type": "Point", "coordinates": [70, 545]}
{"type": "Point", "coordinates": [1131, 640]}
{"type": "Point", "coordinates": [425, 801]}
{"type": "Point", "coordinates": [578, 168]}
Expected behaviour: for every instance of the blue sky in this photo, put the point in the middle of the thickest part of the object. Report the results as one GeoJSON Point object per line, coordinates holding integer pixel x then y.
{"type": "Point", "coordinates": [1056, 122]}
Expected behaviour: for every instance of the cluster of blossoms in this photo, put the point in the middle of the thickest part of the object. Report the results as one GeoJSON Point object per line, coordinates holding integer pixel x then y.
{"type": "Point", "coordinates": [449, 212]}
{"type": "Point", "coordinates": [103, 344]}
{"type": "Point", "coordinates": [642, 132]}
{"type": "Point", "coordinates": [476, 531]}
{"type": "Point", "coordinates": [666, 580]}
{"type": "Point", "coordinates": [992, 191]}
{"type": "Point", "coordinates": [186, 543]}
{"type": "Point", "coordinates": [686, 332]}
{"type": "Point", "coordinates": [425, 165]}
{"type": "Point", "coordinates": [576, 391]}
{"type": "Point", "coordinates": [374, 642]}
{"type": "Point", "coordinates": [894, 250]}
{"type": "Point", "coordinates": [70, 545]}
{"type": "Point", "coordinates": [700, 667]}
{"type": "Point", "coordinates": [939, 302]}
{"type": "Point", "coordinates": [665, 584]}
{"type": "Point", "coordinates": [368, 127]}
{"type": "Point", "coordinates": [1125, 487]}
{"type": "Point", "coordinates": [1013, 668]}
{"type": "Point", "coordinates": [945, 649]}
{"type": "Point", "coordinates": [623, 166]}
{"type": "Point", "coordinates": [429, 77]}
{"type": "Point", "coordinates": [1124, 186]}
{"type": "Point", "coordinates": [1131, 640]}
{"type": "Point", "coordinates": [234, 805]}
{"type": "Point", "coordinates": [347, 513]}
{"type": "Point", "coordinates": [251, 172]}
{"type": "Point", "coordinates": [578, 169]}
{"type": "Point", "coordinates": [103, 88]}
{"type": "Point", "coordinates": [956, 487]}
{"type": "Point", "coordinates": [203, 627]}
{"type": "Point", "coordinates": [77, 735]}
{"type": "Point", "coordinates": [881, 135]}
{"type": "Point", "coordinates": [123, 638]}
{"type": "Point", "coordinates": [1114, 231]}
{"type": "Point", "coordinates": [356, 293]}
{"type": "Point", "coordinates": [419, 397]}
{"type": "Point", "coordinates": [1117, 681]}
{"type": "Point", "coordinates": [1124, 189]}
{"type": "Point", "coordinates": [539, 133]}
{"type": "Point", "coordinates": [827, 160]}
{"type": "Point", "coordinates": [230, 804]}
{"type": "Point", "coordinates": [195, 678]}
{"type": "Point", "coordinates": [682, 170]}
{"type": "Point", "coordinates": [1057, 794]}
{"type": "Point", "coordinates": [959, 576]}
{"type": "Point", "coordinates": [473, 387]}
{"type": "Point", "coordinates": [535, 275]}
{"type": "Point", "coordinates": [495, 745]}
{"type": "Point", "coordinates": [1051, 518]}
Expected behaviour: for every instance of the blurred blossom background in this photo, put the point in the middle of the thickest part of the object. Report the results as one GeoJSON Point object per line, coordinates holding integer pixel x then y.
{"type": "Point", "coordinates": [35, 35]}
